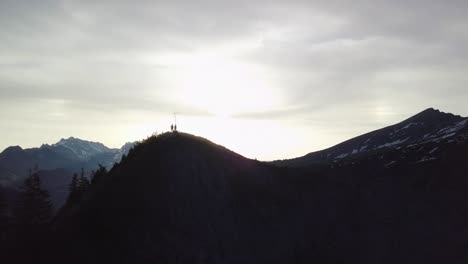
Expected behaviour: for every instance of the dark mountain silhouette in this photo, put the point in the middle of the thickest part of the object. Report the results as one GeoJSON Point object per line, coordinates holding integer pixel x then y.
{"type": "Point", "coordinates": [177, 188]}
{"type": "Point", "coordinates": [16, 160]}
{"type": "Point", "coordinates": [427, 133]}
{"type": "Point", "coordinates": [178, 198]}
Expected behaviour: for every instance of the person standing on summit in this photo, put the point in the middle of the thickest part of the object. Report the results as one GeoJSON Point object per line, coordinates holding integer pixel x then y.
{"type": "Point", "coordinates": [174, 126]}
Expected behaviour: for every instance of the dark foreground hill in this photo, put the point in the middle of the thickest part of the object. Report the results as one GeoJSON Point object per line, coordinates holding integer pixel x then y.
{"type": "Point", "coordinates": [180, 199]}
{"type": "Point", "coordinates": [177, 198]}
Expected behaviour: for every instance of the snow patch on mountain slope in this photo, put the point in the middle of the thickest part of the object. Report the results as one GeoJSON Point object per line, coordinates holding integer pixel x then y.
{"type": "Point", "coordinates": [393, 143]}
{"type": "Point", "coordinates": [82, 149]}
{"type": "Point", "coordinates": [406, 127]}
{"type": "Point", "coordinates": [344, 155]}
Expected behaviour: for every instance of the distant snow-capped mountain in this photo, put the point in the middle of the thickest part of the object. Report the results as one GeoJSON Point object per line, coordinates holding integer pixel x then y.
{"type": "Point", "coordinates": [70, 154]}
{"type": "Point", "coordinates": [80, 149]}
{"type": "Point", "coordinates": [429, 132]}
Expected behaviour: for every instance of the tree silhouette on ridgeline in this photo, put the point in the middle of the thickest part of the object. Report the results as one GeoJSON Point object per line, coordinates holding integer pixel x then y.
{"type": "Point", "coordinates": [80, 185]}
{"type": "Point", "coordinates": [73, 194]}
{"type": "Point", "coordinates": [98, 174]}
{"type": "Point", "coordinates": [83, 183]}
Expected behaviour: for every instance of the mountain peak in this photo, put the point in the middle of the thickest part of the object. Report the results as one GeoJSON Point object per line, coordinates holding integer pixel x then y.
{"type": "Point", "coordinates": [179, 140]}
{"type": "Point", "coordinates": [82, 149]}
{"type": "Point", "coordinates": [431, 109]}
{"type": "Point", "coordinates": [431, 127]}
{"type": "Point", "coordinates": [70, 139]}
{"type": "Point", "coordinates": [177, 147]}
{"type": "Point", "coordinates": [75, 140]}
{"type": "Point", "coordinates": [432, 115]}
{"type": "Point", "coordinates": [13, 149]}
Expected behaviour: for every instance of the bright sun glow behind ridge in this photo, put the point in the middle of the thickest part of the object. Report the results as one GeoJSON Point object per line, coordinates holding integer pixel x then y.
{"type": "Point", "coordinates": [222, 86]}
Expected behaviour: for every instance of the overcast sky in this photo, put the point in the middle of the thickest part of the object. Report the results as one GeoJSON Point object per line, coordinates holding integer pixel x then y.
{"type": "Point", "coordinates": [268, 79]}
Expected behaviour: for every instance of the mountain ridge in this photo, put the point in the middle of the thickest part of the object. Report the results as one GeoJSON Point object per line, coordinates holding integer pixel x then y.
{"type": "Point", "coordinates": [430, 125]}
{"type": "Point", "coordinates": [423, 137]}
{"type": "Point", "coordinates": [66, 156]}
{"type": "Point", "coordinates": [178, 198]}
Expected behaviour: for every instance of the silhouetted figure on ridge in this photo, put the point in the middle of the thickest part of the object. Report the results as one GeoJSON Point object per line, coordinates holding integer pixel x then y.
{"type": "Point", "coordinates": [175, 123]}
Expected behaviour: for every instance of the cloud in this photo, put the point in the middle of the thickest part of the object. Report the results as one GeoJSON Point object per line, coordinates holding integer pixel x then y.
{"type": "Point", "coordinates": [322, 56]}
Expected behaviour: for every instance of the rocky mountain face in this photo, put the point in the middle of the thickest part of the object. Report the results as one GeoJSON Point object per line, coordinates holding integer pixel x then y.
{"type": "Point", "coordinates": [78, 149]}
{"type": "Point", "coordinates": [57, 163]}
{"type": "Point", "coordinates": [71, 154]}
{"type": "Point", "coordinates": [422, 137]}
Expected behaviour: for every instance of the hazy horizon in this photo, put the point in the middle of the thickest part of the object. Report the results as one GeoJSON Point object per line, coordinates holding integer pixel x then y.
{"type": "Point", "coordinates": [267, 79]}
{"type": "Point", "coordinates": [272, 157]}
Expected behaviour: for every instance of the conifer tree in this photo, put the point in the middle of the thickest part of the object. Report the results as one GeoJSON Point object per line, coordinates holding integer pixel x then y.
{"type": "Point", "coordinates": [73, 195]}
{"type": "Point", "coordinates": [78, 186]}
{"type": "Point", "coordinates": [83, 183]}
{"type": "Point", "coordinates": [31, 222]}
{"type": "Point", "coordinates": [34, 209]}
